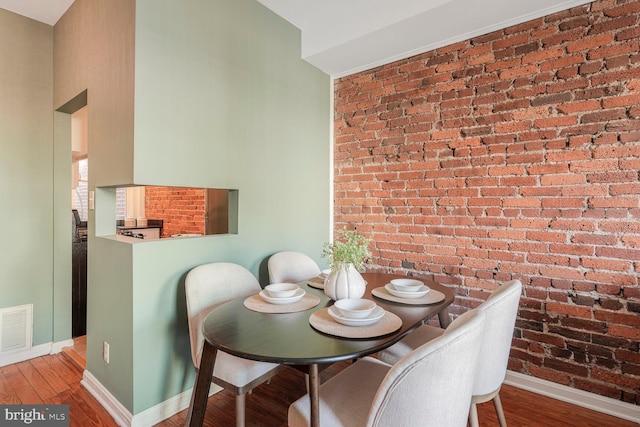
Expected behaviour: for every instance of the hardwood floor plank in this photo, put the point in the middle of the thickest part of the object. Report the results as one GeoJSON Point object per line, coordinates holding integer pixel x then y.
{"type": "Point", "coordinates": [50, 375]}
{"type": "Point", "coordinates": [67, 369]}
{"type": "Point", "coordinates": [24, 390]}
{"type": "Point", "coordinates": [84, 409]}
{"type": "Point", "coordinates": [78, 352]}
{"type": "Point", "coordinates": [8, 396]}
{"type": "Point", "coordinates": [36, 380]}
{"type": "Point", "coordinates": [527, 409]}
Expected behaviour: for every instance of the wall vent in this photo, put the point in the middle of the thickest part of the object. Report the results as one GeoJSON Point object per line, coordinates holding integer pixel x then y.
{"type": "Point", "coordinates": [16, 327]}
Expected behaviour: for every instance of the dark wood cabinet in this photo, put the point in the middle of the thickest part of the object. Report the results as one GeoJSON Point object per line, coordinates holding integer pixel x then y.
{"type": "Point", "coordinates": [78, 277]}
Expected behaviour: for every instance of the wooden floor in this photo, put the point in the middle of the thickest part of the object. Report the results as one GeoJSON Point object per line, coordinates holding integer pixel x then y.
{"type": "Point", "coordinates": [55, 379]}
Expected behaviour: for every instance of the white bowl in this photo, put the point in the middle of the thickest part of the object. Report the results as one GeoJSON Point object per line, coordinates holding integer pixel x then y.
{"type": "Point", "coordinates": [355, 308]}
{"type": "Point", "coordinates": [407, 285]}
{"type": "Point", "coordinates": [372, 318]}
{"type": "Point", "coordinates": [417, 294]}
{"type": "Point", "coordinates": [281, 290]}
{"type": "Point", "coordinates": [290, 300]}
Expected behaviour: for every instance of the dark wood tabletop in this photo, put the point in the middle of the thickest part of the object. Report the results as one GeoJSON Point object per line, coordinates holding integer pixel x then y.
{"type": "Point", "coordinates": [288, 338]}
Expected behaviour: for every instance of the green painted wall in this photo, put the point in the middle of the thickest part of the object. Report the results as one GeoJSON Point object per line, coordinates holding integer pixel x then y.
{"type": "Point", "coordinates": [219, 98]}
{"type": "Point", "coordinates": [26, 150]}
{"type": "Point", "coordinates": [222, 99]}
{"type": "Point", "coordinates": [110, 316]}
{"type": "Point", "coordinates": [94, 52]}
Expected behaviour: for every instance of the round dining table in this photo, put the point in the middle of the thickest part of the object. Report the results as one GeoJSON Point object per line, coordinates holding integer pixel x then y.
{"type": "Point", "coordinates": [290, 339]}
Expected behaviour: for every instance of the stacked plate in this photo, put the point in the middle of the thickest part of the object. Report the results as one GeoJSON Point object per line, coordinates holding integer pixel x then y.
{"type": "Point", "coordinates": [406, 288]}
{"type": "Point", "coordinates": [282, 293]}
{"type": "Point", "coordinates": [356, 312]}
{"type": "Point", "coordinates": [318, 281]}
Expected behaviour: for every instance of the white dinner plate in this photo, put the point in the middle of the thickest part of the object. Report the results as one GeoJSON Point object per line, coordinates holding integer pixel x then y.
{"type": "Point", "coordinates": [372, 318]}
{"type": "Point", "coordinates": [316, 282]}
{"type": "Point", "coordinates": [289, 300]}
{"type": "Point", "coordinates": [422, 291]}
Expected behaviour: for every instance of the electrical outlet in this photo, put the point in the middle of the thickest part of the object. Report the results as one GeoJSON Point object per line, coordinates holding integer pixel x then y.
{"type": "Point", "coordinates": [105, 351]}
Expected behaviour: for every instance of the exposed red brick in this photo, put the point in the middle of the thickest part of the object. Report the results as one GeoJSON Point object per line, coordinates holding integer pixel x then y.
{"type": "Point", "coordinates": [631, 8]}
{"type": "Point", "coordinates": [599, 387]}
{"type": "Point", "coordinates": [590, 42]}
{"type": "Point", "coordinates": [579, 106]}
{"type": "Point", "coordinates": [181, 209]}
{"type": "Point", "coordinates": [615, 378]}
{"type": "Point", "coordinates": [512, 155]}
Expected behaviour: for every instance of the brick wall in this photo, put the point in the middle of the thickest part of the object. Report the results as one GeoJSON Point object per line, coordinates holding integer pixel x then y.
{"type": "Point", "coordinates": [181, 209]}
{"type": "Point", "coordinates": [515, 154]}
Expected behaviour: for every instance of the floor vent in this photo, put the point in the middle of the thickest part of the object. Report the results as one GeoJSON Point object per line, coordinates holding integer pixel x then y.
{"type": "Point", "coordinates": [16, 326]}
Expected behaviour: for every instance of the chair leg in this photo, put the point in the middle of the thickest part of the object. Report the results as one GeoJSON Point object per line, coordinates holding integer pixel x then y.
{"type": "Point", "coordinates": [473, 416]}
{"type": "Point", "coordinates": [498, 405]}
{"type": "Point", "coordinates": [240, 405]}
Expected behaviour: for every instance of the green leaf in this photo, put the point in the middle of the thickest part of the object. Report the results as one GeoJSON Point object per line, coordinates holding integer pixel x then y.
{"type": "Point", "coordinates": [349, 247]}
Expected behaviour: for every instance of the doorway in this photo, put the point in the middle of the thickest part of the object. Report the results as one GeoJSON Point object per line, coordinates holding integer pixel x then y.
{"type": "Point", "coordinates": [80, 217]}
{"type": "Point", "coordinates": [70, 174]}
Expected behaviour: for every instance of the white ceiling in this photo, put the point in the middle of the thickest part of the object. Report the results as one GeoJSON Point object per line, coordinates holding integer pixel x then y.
{"type": "Point", "coordinates": [342, 37]}
{"type": "Point", "coordinates": [47, 11]}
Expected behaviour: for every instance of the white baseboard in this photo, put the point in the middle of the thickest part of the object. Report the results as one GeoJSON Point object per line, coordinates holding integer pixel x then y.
{"type": "Point", "coordinates": [162, 411]}
{"type": "Point", "coordinates": [57, 347]}
{"type": "Point", "coordinates": [577, 397]}
{"type": "Point", "coordinates": [120, 414]}
{"type": "Point", "coordinates": [21, 356]}
{"type": "Point", "coordinates": [166, 409]}
{"type": "Point", "coordinates": [146, 418]}
{"type": "Point", "coordinates": [33, 352]}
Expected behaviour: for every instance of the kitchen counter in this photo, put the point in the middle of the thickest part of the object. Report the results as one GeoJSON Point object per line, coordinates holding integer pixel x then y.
{"type": "Point", "coordinates": [151, 223]}
{"type": "Point", "coordinates": [151, 231]}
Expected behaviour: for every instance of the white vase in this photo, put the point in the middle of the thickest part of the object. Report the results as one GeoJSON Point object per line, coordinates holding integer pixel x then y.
{"type": "Point", "coordinates": [344, 281]}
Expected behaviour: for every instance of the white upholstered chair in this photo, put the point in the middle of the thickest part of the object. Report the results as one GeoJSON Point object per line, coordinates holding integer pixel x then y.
{"type": "Point", "coordinates": [206, 287]}
{"type": "Point", "coordinates": [429, 387]}
{"type": "Point", "coordinates": [291, 267]}
{"type": "Point", "coordinates": [500, 309]}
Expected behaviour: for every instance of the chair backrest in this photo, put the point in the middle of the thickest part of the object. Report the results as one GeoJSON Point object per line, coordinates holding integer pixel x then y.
{"type": "Point", "coordinates": [432, 385]}
{"type": "Point", "coordinates": [208, 286]}
{"type": "Point", "coordinates": [501, 310]}
{"type": "Point", "coordinates": [291, 267]}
